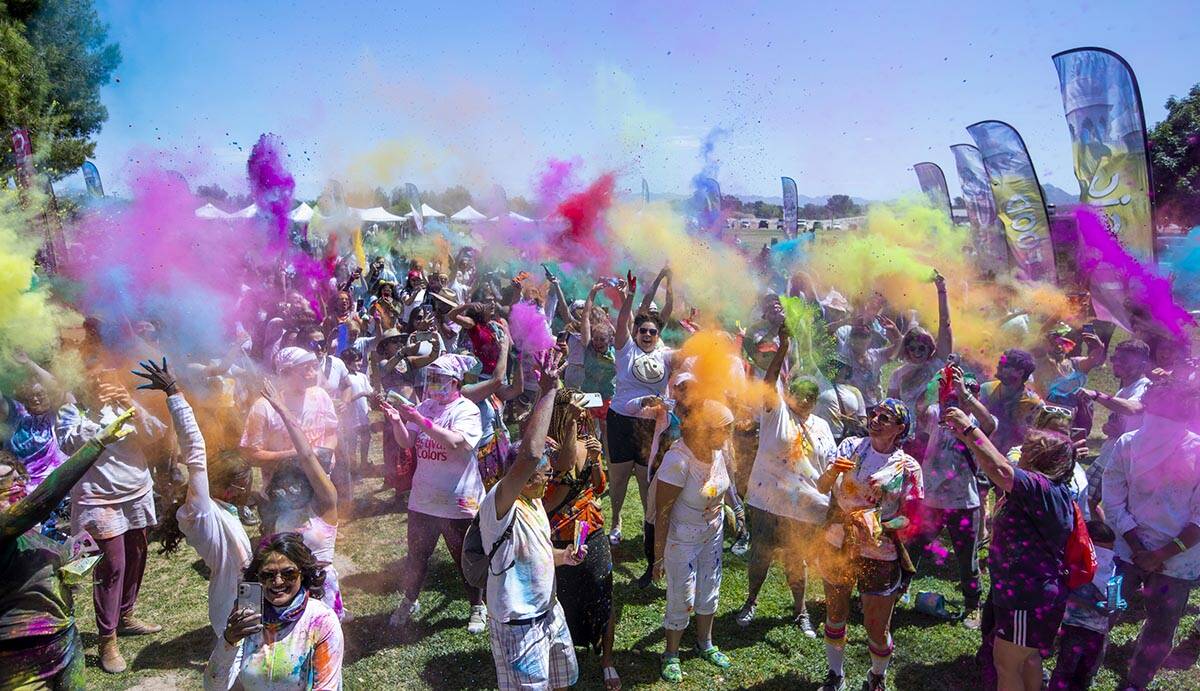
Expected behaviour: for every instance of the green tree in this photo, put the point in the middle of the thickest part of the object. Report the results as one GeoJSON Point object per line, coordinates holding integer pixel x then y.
{"type": "Point", "coordinates": [54, 57]}
{"type": "Point", "coordinates": [1175, 161]}
{"type": "Point", "coordinates": [840, 205]}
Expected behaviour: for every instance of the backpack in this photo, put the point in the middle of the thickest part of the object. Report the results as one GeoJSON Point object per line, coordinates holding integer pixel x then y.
{"type": "Point", "coordinates": [477, 564]}
{"type": "Point", "coordinates": [1080, 555]}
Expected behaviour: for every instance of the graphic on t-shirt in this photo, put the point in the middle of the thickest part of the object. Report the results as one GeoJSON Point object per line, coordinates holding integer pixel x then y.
{"type": "Point", "coordinates": [648, 368]}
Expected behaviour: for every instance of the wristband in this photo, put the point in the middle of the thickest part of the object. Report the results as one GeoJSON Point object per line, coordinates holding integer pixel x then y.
{"type": "Point", "coordinates": [970, 430]}
{"type": "Point", "coordinates": [1179, 543]}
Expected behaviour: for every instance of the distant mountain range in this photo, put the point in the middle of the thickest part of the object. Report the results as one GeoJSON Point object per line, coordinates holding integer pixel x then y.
{"type": "Point", "coordinates": [1058, 196]}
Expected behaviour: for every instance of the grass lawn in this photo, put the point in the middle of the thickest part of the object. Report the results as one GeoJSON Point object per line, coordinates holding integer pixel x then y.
{"type": "Point", "coordinates": [438, 653]}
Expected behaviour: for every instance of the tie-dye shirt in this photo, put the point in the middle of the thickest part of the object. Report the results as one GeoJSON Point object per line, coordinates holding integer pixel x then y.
{"type": "Point", "coordinates": [306, 654]}
{"type": "Point", "coordinates": [32, 439]}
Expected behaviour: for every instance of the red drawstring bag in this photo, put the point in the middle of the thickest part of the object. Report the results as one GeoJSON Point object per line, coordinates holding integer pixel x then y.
{"type": "Point", "coordinates": [1080, 555]}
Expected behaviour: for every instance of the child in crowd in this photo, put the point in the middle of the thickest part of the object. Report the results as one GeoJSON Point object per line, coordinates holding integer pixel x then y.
{"type": "Point", "coordinates": [356, 423]}
{"type": "Point", "coordinates": [1087, 620]}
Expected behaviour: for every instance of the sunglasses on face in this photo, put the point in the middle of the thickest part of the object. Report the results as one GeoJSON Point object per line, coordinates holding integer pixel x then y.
{"type": "Point", "coordinates": [918, 347]}
{"type": "Point", "coordinates": [286, 575]}
{"type": "Point", "coordinates": [648, 332]}
{"type": "Point", "coordinates": [884, 417]}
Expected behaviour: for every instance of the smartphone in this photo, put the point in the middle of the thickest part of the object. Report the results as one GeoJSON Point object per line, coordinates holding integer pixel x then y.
{"type": "Point", "coordinates": [591, 400]}
{"type": "Point", "coordinates": [582, 528]}
{"type": "Point", "coordinates": [547, 270]}
{"type": "Point", "coordinates": [395, 398]}
{"type": "Point", "coordinates": [250, 596]}
{"type": "Point", "coordinates": [1089, 328]}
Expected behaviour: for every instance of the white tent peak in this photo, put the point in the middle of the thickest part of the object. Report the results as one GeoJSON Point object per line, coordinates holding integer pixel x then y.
{"type": "Point", "coordinates": [210, 211]}
{"type": "Point", "coordinates": [427, 211]}
{"type": "Point", "coordinates": [468, 214]}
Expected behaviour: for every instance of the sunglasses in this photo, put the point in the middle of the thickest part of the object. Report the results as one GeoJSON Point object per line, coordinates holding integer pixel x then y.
{"type": "Point", "coordinates": [884, 417]}
{"type": "Point", "coordinates": [286, 575]}
{"type": "Point", "coordinates": [648, 332]}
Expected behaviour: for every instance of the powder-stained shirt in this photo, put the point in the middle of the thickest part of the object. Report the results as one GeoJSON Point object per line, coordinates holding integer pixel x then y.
{"type": "Point", "coordinates": [305, 654]}
{"type": "Point", "coordinates": [1027, 559]}
{"type": "Point", "coordinates": [783, 480]}
{"type": "Point", "coordinates": [696, 516]}
{"type": "Point", "coordinates": [1014, 413]}
{"type": "Point", "coordinates": [318, 420]}
{"type": "Point", "coordinates": [527, 589]}
{"type": "Point", "coordinates": [879, 481]}
{"type": "Point", "coordinates": [949, 469]}
{"type": "Point", "coordinates": [31, 439]}
{"type": "Point", "coordinates": [447, 483]}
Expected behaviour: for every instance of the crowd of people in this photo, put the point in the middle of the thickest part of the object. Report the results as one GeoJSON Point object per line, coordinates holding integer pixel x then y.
{"type": "Point", "coordinates": [504, 447]}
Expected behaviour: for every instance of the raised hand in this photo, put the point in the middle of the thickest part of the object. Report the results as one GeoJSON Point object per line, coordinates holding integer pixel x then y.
{"type": "Point", "coordinates": [117, 429]}
{"type": "Point", "coordinates": [271, 394]}
{"type": "Point", "coordinates": [158, 377]}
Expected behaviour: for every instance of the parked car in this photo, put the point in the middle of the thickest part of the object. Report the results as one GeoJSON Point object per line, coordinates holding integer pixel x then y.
{"type": "Point", "coordinates": [836, 226]}
{"type": "Point", "coordinates": [764, 224]}
{"type": "Point", "coordinates": [803, 225]}
{"type": "Point", "coordinates": [745, 223]}
{"type": "Point", "coordinates": [779, 224]}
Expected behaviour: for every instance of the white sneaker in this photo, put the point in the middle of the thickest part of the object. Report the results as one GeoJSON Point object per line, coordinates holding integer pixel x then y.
{"type": "Point", "coordinates": [478, 619]}
{"type": "Point", "coordinates": [746, 615]}
{"type": "Point", "coordinates": [405, 612]}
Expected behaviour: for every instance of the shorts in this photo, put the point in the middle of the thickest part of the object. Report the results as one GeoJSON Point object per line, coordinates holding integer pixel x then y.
{"type": "Point", "coordinates": [1028, 628]}
{"type": "Point", "coordinates": [629, 438]}
{"type": "Point", "coordinates": [872, 576]}
{"type": "Point", "coordinates": [538, 655]}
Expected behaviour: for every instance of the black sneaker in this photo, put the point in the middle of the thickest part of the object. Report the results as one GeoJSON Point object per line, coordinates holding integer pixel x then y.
{"type": "Point", "coordinates": [645, 580]}
{"type": "Point", "coordinates": [833, 682]}
{"type": "Point", "coordinates": [874, 682]}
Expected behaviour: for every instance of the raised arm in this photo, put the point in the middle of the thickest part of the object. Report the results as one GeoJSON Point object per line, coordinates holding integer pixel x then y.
{"type": "Point", "coordinates": [33, 509]}
{"type": "Point", "coordinates": [669, 302]}
{"type": "Point", "coordinates": [585, 321]}
{"type": "Point", "coordinates": [533, 442]}
{"type": "Point", "coordinates": [625, 316]}
{"type": "Point", "coordinates": [456, 315]}
{"type": "Point", "coordinates": [894, 337]}
{"type": "Point", "coordinates": [772, 374]}
{"type": "Point", "coordinates": [1096, 355]}
{"type": "Point", "coordinates": [993, 463]}
{"type": "Point", "coordinates": [191, 442]}
{"type": "Point", "coordinates": [324, 493]}
{"type": "Point", "coordinates": [945, 338]}
{"type": "Point", "coordinates": [649, 297]}
{"type": "Point", "coordinates": [481, 390]}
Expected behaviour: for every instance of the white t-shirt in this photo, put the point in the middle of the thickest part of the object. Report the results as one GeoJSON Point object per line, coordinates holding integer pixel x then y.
{"type": "Point", "coordinates": [879, 481]}
{"type": "Point", "coordinates": [333, 373]}
{"type": "Point", "coordinates": [783, 481]}
{"type": "Point", "coordinates": [527, 589]}
{"type": "Point", "coordinates": [829, 409]}
{"type": "Point", "coordinates": [359, 410]}
{"type": "Point", "coordinates": [639, 374]}
{"type": "Point", "coordinates": [446, 482]}
{"type": "Point", "coordinates": [696, 516]}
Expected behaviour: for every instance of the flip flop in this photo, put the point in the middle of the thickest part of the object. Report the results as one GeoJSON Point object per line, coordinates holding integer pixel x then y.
{"type": "Point", "coordinates": [671, 671]}
{"type": "Point", "coordinates": [612, 681]}
{"type": "Point", "coordinates": [714, 656]}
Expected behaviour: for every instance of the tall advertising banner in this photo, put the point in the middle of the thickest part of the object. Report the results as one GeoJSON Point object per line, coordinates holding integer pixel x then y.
{"type": "Point", "coordinates": [645, 191]}
{"type": "Point", "coordinates": [23, 156]}
{"type": "Point", "coordinates": [986, 230]}
{"type": "Point", "coordinates": [1019, 202]}
{"type": "Point", "coordinates": [790, 210]}
{"type": "Point", "coordinates": [933, 184]}
{"type": "Point", "coordinates": [1108, 137]}
{"type": "Point", "coordinates": [91, 177]}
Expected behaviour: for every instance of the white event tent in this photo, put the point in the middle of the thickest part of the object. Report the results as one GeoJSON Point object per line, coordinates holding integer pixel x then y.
{"type": "Point", "coordinates": [427, 211]}
{"type": "Point", "coordinates": [210, 211]}
{"type": "Point", "coordinates": [377, 214]}
{"type": "Point", "coordinates": [468, 214]}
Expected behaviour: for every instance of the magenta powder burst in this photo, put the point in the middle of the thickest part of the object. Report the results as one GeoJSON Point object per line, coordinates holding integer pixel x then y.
{"type": "Point", "coordinates": [272, 185]}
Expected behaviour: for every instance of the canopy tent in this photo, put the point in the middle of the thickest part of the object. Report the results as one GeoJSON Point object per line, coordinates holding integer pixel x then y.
{"type": "Point", "coordinates": [302, 213]}
{"type": "Point", "coordinates": [376, 214]}
{"type": "Point", "coordinates": [513, 216]}
{"type": "Point", "coordinates": [468, 214]}
{"type": "Point", "coordinates": [427, 211]}
{"type": "Point", "coordinates": [248, 212]}
{"type": "Point", "coordinates": [210, 211]}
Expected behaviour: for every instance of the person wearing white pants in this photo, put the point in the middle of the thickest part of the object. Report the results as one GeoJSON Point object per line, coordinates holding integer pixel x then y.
{"type": "Point", "coordinates": [688, 492]}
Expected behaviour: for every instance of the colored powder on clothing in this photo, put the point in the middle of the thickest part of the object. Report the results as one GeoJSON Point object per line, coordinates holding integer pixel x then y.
{"type": "Point", "coordinates": [1145, 288]}
{"type": "Point", "coordinates": [529, 330]}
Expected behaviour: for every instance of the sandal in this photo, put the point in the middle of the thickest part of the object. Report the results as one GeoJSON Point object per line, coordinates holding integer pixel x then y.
{"type": "Point", "coordinates": [612, 681]}
{"type": "Point", "coordinates": [614, 538]}
{"type": "Point", "coordinates": [671, 671]}
{"type": "Point", "coordinates": [714, 656]}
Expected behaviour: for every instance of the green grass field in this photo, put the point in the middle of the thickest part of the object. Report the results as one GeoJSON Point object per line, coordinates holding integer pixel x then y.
{"type": "Point", "coordinates": [438, 653]}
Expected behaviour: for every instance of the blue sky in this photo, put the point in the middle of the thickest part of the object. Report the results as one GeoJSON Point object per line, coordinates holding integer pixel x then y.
{"type": "Point", "coordinates": [842, 98]}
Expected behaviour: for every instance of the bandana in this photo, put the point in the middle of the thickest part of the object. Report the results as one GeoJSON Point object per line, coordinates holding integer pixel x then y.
{"type": "Point", "coordinates": [452, 365]}
{"type": "Point", "coordinates": [292, 356]}
{"type": "Point", "coordinates": [289, 613]}
{"type": "Point", "coordinates": [896, 408]}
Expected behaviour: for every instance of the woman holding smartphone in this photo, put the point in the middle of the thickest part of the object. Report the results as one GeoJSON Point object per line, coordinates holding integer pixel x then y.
{"type": "Point", "coordinates": [572, 503]}
{"type": "Point", "coordinates": [294, 640]}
